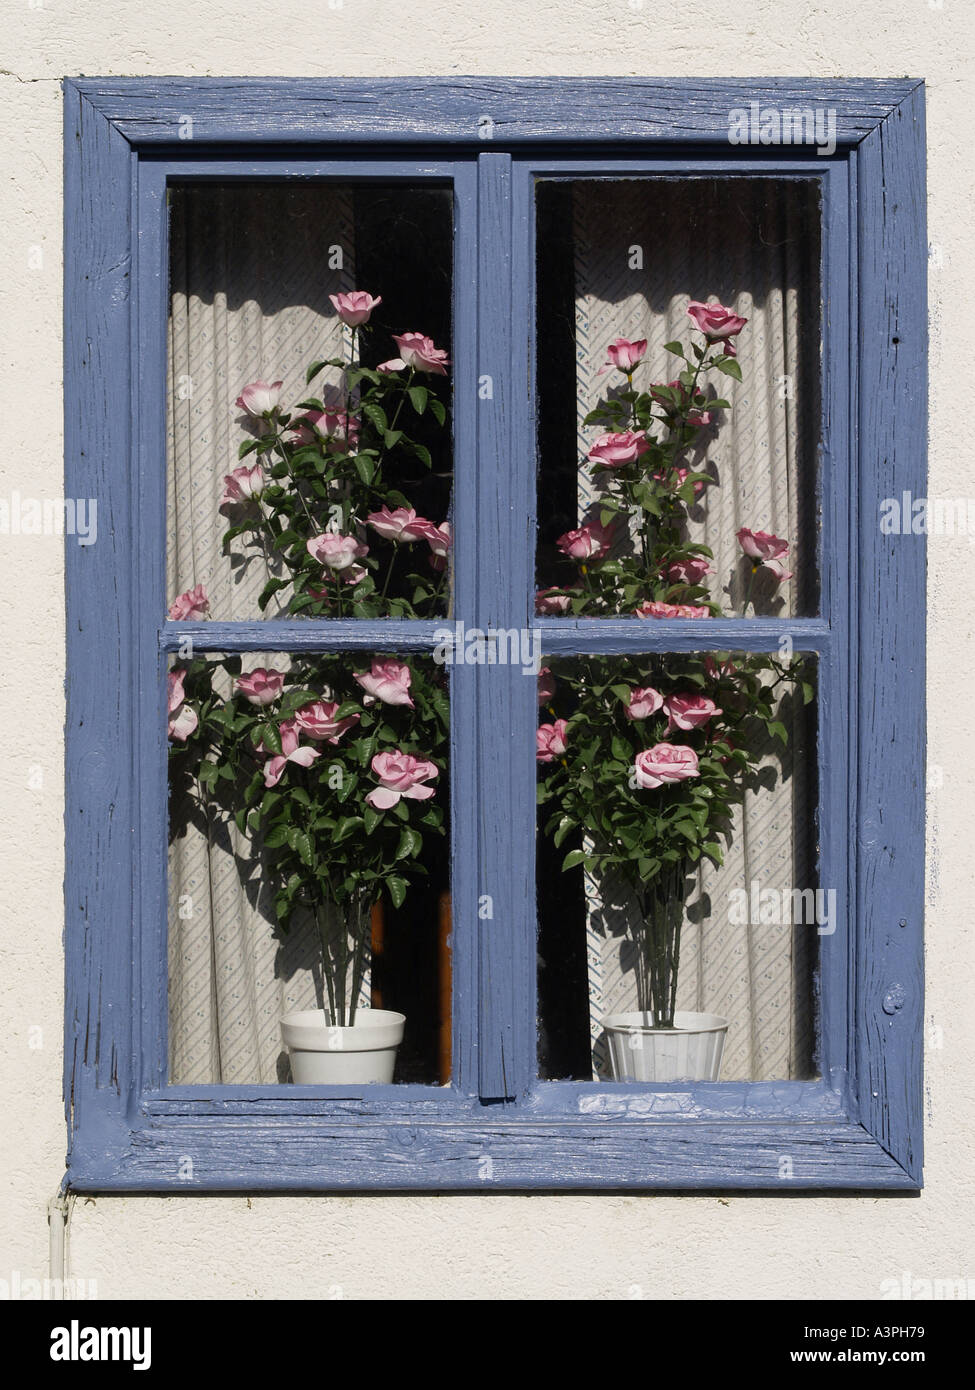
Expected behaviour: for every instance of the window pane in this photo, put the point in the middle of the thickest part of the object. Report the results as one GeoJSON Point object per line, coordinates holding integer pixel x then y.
{"type": "Point", "coordinates": [308, 810]}
{"type": "Point", "coordinates": [253, 272]}
{"type": "Point", "coordinates": [706, 760]}
{"type": "Point", "coordinates": [658, 472]}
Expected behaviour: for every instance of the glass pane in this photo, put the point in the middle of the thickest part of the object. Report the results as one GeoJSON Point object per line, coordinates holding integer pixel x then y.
{"type": "Point", "coordinates": [678, 352]}
{"type": "Point", "coordinates": [309, 825]}
{"type": "Point", "coordinates": [310, 460]}
{"type": "Point", "coordinates": [676, 858]}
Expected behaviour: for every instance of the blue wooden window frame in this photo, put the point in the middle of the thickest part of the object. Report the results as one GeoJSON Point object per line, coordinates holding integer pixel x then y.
{"type": "Point", "coordinates": [857, 1127]}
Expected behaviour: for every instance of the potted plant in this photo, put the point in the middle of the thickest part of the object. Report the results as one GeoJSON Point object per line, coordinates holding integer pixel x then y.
{"type": "Point", "coordinates": [642, 762]}
{"type": "Point", "coordinates": [333, 765]}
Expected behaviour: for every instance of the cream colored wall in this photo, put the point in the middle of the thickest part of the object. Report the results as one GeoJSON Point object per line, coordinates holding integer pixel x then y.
{"type": "Point", "coordinates": [470, 1246]}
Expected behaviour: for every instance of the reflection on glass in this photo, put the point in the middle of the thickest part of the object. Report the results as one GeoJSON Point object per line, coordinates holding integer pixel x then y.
{"type": "Point", "coordinates": [678, 400]}
{"type": "Point", "coordinates": [310, 458]}
{"type": "Point", "coordinates": [308, 824]}
{"type": "Point", "coordinates": [676, 855]}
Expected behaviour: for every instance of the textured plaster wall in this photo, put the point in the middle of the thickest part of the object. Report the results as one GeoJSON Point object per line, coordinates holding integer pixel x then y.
{"type": "Point", "coordinates": [483, 1246]}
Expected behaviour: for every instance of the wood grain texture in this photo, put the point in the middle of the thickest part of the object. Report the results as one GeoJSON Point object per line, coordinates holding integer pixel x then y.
{"type": "Point", "coordinates": [840, 601]}
{"type": "Point", "coordinates": [247, 1153]}
{"type": "Point", "coordinates": [506, 695]}
{"type": "Point", "coordinates": [861, 1127]}
{"type": "Point", "coordinates": [892, 414]}
{"type": "Point", "coordinates": [635, 635]}
{"type": "Point", "coordinates": [454, 109]}
{"type": "Point", "coordinates": [102, 1058]}
{"type": "Point", "coordinates": [463, 680]}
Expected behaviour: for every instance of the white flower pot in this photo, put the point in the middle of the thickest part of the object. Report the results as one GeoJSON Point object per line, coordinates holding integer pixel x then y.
{"type": "Point", "coordinates": [690, 1051]}
{"type": "Point", "coordinates": [323, 1054]}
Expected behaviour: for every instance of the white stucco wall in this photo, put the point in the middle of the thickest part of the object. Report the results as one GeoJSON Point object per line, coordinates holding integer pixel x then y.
{"type": "Point", "coordinates": [462, 1246]}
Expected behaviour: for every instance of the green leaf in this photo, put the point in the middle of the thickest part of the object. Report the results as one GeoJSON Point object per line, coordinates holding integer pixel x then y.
{"type": "Point", "coordinates": [418, 397]}
{"type": "Point", "coordinates": [305, 850]}
{"type": "Point", "coordinates": [676, 348]}
{"type": "Point", "coordinates": [396, 887]}
{"type": "Point", "coordinates": [729, 366]}
{"type": "Point", "coordinates": [572, 859]}
{"type": "Point", "coordinates": [779, 731]}
{"type": "Point", "coordinates": [286, 539]}
{"type": "Point", "coordinates": [365, 468]}
{"type": "Point", "coordinates": [566, 824]}
{"type": "Point", "coordinates": [410, 844]}
{"type": "Point", "coordinates": [270, 589]}
{"type": "Point", "coordinates": [270, 736]}
{"type": "Point", "coordinates": [375, 414]}
{"type": "Point", "coordinates": [437, 410]}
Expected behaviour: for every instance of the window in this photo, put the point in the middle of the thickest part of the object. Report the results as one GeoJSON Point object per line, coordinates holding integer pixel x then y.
{"type": "Point", "coordinates": [524, 180]}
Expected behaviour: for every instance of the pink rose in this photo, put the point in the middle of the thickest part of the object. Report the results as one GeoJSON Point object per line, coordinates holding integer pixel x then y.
{"type": "Point", "coordinates": [174, 688]}
{"type": "Point", "coordinates": [665, 763]}
{"type": "Point", "coordinates": [395, 364]}
{"type": "Point", "coordinates": [400, 525]}
{"type": "Point", "coordinates": [290, 753]}
{"type": "Point", "coordinates": [761, 545]}
{"type": "Point", "coordinates": [190, 606]}
{"type": "Point", "coordinates": [334, 551]}
{"type": "Point", "coordinates": [417, 351]}
{"type": "Point", "coordinates": [260, 398]}
{"type": "Point", "coordinates": [689, 571]}
{"type": "Point", "coordinates": [672, 610]}
{"type": "Point", "coordinates": [400, 774]}
{"type": "Point", "coordinates": [182, 718]}
{"type": "Point", "coordinates": [183, 723]}
{"type": "Point", "coordinates": [624, 355]}
{"type": "Point", "coordinates": [590, 542]}
{"type": "Point", "coordinates": [688, 711]}
{"type": "Point", "coordinates": [550, 741]}
{"type": "Point", "coordinates": [550, 603]}
{"type": "Point", "coordinates": [644, 703]}
{"type": "Point", "coordinates": [617, 450]}
{"type": "Point", "coordinates": [355, 306]}
{"type": "Point", "coordinates": [260, 686]}
{"type": "Point", "coordinates": [334, 424]}
{"type": "Point", "coordinates": [546, 685]}
{"type": "Point", "coordinates": [766, 549]}
{"type": "Point", "coordinates": [438, 539]}
{"type": "Point", "coordinates": [318, 721]}
{"type": "Point", "coordinates": [717, 323]}
{"type": "Point", "coordinates": [388, 681]}
{"type": "Point", "coordinates": [241, 485]}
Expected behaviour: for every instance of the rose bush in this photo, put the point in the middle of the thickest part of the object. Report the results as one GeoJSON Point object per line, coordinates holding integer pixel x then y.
{"type": "Point", "coordinates": [642, 761]}
{"type": "Point", "coordinates": [335, 770]}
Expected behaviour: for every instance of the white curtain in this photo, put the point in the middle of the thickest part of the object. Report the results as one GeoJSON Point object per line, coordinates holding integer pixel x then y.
{"type": "Point", "coordinates": [643, 250]}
